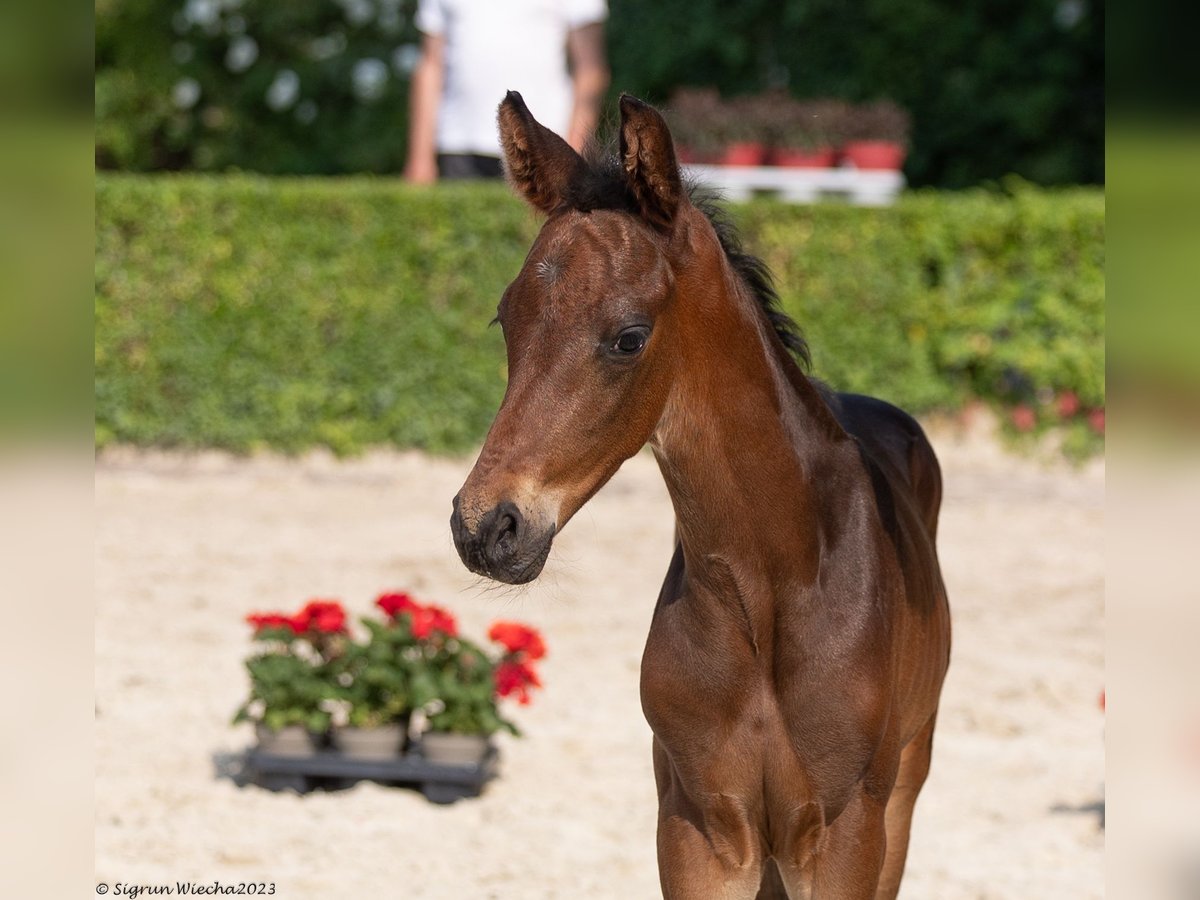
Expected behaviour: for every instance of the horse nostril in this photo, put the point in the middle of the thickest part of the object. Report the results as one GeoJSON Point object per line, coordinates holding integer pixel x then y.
{"type": "Point", "coordinates": [505, 533]}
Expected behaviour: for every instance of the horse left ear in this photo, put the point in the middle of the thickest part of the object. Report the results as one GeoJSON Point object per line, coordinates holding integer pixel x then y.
{"type": "Point", "coordinates": [648, 156]}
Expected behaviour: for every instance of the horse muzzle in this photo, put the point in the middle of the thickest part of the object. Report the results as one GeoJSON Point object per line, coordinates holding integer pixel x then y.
{"type": "Point", "coordinates": [504, 545]}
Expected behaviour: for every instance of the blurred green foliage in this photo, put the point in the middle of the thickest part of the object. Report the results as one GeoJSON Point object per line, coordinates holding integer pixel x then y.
{"type": "Point", "coordinates": [244, 312]}
{"type": "Point", "coordinates": [993, 88]}
{"type": "Point", "coordinates": [249, 312]}
{"type": "Point", "coordinates": [45, 230]}
{"type": "Point", "coordinates": [45, 258]}
{"type": "Point", "coordinates": [945, 298]}
{"type": "Point", "coordinates": [314, 87]}
{"type": "Point", "coordinates": [1155, 273]}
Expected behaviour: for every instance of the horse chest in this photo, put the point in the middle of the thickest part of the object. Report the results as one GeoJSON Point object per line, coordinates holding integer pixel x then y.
{"type": "Point", "coordinates": [731, 721]}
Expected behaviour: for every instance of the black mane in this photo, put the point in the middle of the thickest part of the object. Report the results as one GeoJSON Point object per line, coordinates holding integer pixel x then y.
{"type": "Point", "coordinates": [604, 187]}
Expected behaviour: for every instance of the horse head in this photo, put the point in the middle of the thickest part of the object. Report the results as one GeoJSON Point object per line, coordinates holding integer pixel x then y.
{"type": "Point", "coordinates": [589, 334]}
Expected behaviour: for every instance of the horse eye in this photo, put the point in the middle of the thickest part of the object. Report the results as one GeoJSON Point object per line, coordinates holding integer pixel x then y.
{"type": "Point", "coordinates": [631, 341]}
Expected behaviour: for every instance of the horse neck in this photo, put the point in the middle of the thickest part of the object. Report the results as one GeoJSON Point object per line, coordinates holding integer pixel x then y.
{"type": "Point", "coordinates": [742, 435]}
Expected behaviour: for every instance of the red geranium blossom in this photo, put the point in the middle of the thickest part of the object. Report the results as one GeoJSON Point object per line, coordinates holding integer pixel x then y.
{"type": "Point", "coordinates": [1024, 418]}
{"type": "Point", "coordinates": [395, 603]}
{"type": "Point", "coordinates": [518, 638]}
{"type": "Point", "coordinates": [263, 621]}
{"type": "Point", "coordinates": [1068, 404]}
{"type": "Point", "coordinates": [428, 619]}
{"type": "Point", "coordinates": [323, 616]}
{"type": "Point", "coordinates": [516, 678]}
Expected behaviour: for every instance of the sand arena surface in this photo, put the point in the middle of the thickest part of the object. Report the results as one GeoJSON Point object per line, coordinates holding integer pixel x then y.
{"type": "Point", "coordinates": [187, 544]}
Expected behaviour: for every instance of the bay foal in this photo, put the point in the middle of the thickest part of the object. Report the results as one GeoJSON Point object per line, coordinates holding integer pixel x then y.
{"type": "Point", "coordinates": [793, 667]}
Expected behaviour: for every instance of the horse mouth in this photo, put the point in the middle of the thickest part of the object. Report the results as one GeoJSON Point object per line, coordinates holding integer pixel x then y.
{"type": "Point", "coordinates": [522, 574]}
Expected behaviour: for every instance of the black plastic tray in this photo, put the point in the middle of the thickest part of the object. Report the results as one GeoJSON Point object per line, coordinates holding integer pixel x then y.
{"type": "Point", "coordinates": [439, 783]}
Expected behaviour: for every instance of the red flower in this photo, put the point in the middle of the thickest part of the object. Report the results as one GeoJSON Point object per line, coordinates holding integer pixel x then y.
{"type": "Point", "coordinates": [515, 678]}
{"type": "Point", "coordinates": [429, 619]}
{"type": "Point", "coordinates": [263, 621]}
{"type": "Point", "coordinates": [1024, 418]}
{"type": "Point", "coordinates": [1096, 420]}
{"type": "Point", "coordinates": [396, 603]}
{"type": "Point", "coordinates": [518, 638]}
{"type": "Point", "coordinates": [1068, 404]}
{"type": "Point", "coordinates": [323, 616]}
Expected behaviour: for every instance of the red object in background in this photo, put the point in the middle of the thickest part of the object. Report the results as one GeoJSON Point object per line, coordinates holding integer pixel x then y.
{"type": "Point", "coordinates": [815, 158]}
{"type": "Point", "coordinates": [264, 621]}
{"type": "Point", "coordinates": [875, 155]}
{"type": "Point", "coordinates": [688, 156]}
{"type": "Point", "coordinates": [1096, 420]}
{"type": "Point", "coordinates": [515, 678]}
{"type": "Point", "coordinates": [744, 153]}
{"type": "Point", "coordinates": [429, 619]}
{"type": "Point", "coordinates": [1068, 404]}
{"type": "Point", "coordinates": [1024, 418]}
{"type": "Point", "coordinates": [324, 616]}
{"type": "Point", "coordinates": [424, 620]}
{"type": "Point", "coordinates": [518, 638]}
{"type": "Point", "coordinates": [320, 616]}
{"type": "Point", "coordinates": [397, 602]}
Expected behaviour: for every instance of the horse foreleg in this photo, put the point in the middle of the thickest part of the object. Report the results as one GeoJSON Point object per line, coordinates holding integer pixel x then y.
{"type": "Point", "coordinates": [703, 853]}
{"type": "Point", "coordinates": [850, 857]}
{"type": "Point", "coordinates": [772, 886]}
{"type": "Point", "coordinates": [914, 768]}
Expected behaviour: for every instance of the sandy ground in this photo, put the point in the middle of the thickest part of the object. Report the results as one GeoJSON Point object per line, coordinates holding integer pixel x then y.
{"type": "Point", "coordinates": [186, 545]}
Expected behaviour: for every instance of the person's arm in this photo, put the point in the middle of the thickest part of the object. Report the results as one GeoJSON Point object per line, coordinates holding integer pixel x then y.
{"type": "Point", "coordinates": [589, 78]}
{"type": "Point", "coordinates": [424, 97]}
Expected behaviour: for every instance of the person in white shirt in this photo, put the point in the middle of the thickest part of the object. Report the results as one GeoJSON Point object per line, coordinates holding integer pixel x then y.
{"type": "Point", "coordinates": [473, 51]}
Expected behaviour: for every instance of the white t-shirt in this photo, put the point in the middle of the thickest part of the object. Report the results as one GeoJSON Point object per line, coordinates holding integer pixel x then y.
{"type": "Point", "coordinates": [494, 46]}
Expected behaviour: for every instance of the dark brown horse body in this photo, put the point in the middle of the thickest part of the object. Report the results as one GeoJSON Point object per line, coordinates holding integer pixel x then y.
{"type": "Point", "coordinates": [796, 655]}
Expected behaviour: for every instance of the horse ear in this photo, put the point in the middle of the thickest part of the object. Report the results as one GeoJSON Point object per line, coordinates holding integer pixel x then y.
{"type": "Point", "coordinates": [540, 164]}
{"type": "Point", "coordinates": [648, 155]}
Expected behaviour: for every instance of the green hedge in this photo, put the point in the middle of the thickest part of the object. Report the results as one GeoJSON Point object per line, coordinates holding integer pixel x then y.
{"type": "Point", "coordinates": [250, 312]}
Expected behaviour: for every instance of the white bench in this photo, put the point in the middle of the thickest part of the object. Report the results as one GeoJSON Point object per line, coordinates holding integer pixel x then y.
{"type": "Point", "coordinates": [862, 187]}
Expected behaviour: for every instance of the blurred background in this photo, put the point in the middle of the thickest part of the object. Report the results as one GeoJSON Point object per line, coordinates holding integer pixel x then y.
{"type": "Point", "coordinates": [322, 87]}
{"type": "Point", "coordinates": [983, 286]}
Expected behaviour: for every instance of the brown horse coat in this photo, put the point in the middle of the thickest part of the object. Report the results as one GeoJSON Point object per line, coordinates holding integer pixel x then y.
{"type": "Point", "coordinates": [794, 662]}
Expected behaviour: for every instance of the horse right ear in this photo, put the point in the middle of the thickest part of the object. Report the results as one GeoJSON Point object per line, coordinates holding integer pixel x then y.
{"type": "Point", "coordinates": [540, 164]}
{"type": "Point", "coordinates": [648, 157]}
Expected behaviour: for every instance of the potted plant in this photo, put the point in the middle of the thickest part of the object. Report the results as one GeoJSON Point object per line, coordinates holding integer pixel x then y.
{"type": "Point", "coordinates": [290, 683]}
{"type": "Point", "coordinates": [876, 136]}
{"type": "Point", "coordinates": [744, 131]}
{"type": "Point", "coordinates": [695, 116]}
{"type": "Point", "coordinates": [709, 129]}
{"type": "Point", "coordinates": [374, 686]}
{"type": "Point", "coordinates": [444, 675]}
{"type": "Point", "coordinates": [468, 684]}
{"type": "Point", "coordinates": [309, 670]}
{"type": "Point", "coordinates": [807, 133]}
